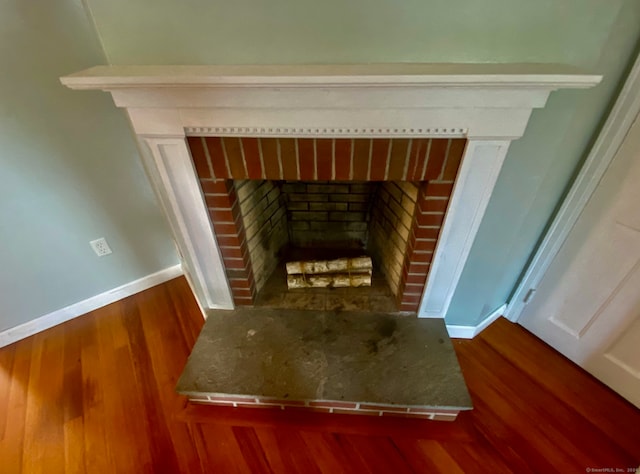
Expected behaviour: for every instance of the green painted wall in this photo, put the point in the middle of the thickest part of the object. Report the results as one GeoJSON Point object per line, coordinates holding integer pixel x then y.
{"type": "Point", "coordinates": [69, 171]}
{"type": "Point", "coordinates": [595, 35]}
{"type": "Point", "coordinates": [354, 31]}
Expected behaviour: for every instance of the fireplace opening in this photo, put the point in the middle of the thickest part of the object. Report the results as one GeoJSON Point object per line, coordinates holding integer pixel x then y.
{"type": "Point", "coordinates": [272, 200]}
{"type": "Point", "coordinates": [308, 220]}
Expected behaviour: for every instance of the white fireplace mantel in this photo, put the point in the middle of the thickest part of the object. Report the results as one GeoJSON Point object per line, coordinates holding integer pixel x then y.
{"type": "Point", "coordinates": [490, 105]}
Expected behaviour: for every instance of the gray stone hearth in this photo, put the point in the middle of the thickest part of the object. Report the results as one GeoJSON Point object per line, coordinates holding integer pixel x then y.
{"type": "Point", "coordinates": [340, 361]}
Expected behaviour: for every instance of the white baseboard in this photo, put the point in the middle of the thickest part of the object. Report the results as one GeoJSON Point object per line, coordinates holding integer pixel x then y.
{"type": "Point", "coordinates": [469, 332]}
{"type": "Point", "coordinates": [47, 321]}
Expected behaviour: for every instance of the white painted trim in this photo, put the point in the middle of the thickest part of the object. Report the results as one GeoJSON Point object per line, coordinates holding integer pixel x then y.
{"type": "Point", "coordinates": [299, 132]}
{"type": "Point", "coordinates": [80, 308]}
{"type": "Point", "coordinates": [490, 105]}
{"type": "Point", "coordinates": [469, 332]}
{"type": "Point", "coordinates": [183, 201]}
{"type": "Point", "coordinates": [552, 76]}
{"type": "Point", "coordinates": [478, 174]}
{"type": "Point", "coordinates": [610, 138]}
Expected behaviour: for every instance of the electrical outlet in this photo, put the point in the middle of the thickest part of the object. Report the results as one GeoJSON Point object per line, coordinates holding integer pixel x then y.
{"type": "Point", "coordinates": [100, 247]}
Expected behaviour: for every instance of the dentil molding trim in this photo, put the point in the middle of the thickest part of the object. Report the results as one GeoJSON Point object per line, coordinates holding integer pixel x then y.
{"type": "Point", "coordinates": [299, 132]}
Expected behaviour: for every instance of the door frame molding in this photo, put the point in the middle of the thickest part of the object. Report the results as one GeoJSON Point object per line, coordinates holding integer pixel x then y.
{"type": "Point", "coordinates": [620, 119]}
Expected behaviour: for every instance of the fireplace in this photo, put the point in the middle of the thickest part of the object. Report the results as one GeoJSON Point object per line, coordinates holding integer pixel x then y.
{"type": "Point", "coordinates": [478, 108]}
{"type": "Point", "coordinates": [385, 197]}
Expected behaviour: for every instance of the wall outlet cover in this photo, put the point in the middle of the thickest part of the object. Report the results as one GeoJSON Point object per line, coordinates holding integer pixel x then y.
{"type": "Point", "coordinates": [100, 247]}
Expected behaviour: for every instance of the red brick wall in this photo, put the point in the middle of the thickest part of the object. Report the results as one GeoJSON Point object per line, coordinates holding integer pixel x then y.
{"type": "Point", "coordinates": [329, 406]}
{"type": "Point", "coordinates": [433, 199]}
{"type": "Point", "coordinates": [340, 159]}
{"type": "Point", "coordinates": [430, 163]}
{"type": "Point", "coordinates": [224, 212]}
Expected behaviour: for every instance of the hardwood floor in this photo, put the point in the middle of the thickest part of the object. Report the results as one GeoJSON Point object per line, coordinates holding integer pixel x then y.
{"type": "Point", "coordinates": [96, 395]}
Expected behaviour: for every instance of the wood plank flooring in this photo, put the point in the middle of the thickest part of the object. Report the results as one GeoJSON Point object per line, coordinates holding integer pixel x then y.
{"type": "Point", "coordinates": [96, 395]}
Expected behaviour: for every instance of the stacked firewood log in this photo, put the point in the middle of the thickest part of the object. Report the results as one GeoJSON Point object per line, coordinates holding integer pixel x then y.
{"type": "Point", "coordinates": [339, 273]}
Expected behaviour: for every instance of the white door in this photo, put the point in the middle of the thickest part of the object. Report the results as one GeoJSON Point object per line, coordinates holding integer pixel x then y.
{"type": "Point", "coordinates": [587, 306]}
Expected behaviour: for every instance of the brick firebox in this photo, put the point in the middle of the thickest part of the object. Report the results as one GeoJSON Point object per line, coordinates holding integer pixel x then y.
{"type": "Point", "coordinates": [427, 165]}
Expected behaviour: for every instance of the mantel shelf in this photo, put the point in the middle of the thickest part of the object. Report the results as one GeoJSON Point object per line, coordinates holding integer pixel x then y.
{"type": "Point", "coordinates": [546, 76]}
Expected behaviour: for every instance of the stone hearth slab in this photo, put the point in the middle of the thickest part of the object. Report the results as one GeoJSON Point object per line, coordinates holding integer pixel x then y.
{"type": "Point", "coordinates": [392, 362]}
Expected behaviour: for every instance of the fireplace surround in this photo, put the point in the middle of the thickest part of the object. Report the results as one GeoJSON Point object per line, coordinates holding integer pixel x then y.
{"type": "Point", "coordinates": [385, 196]}
{"type": "Point", "coordinates": [486, 105]}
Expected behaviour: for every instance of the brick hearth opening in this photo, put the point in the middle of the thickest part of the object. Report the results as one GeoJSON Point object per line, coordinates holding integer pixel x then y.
{"type": "Point", "coordinates": [387, 197]}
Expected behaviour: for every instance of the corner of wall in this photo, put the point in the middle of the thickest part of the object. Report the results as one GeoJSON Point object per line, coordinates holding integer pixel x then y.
{"type": "Point", "coordinates": [469, 332]}
{"type": "Point", "coordinates": [92, 20]}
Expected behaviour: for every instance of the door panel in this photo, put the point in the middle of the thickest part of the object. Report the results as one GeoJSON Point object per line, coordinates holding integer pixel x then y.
{"type": "Point", "coordinates": [588, 304]}
{"type": "Point", "coordinates": [623, 352]}
{"type": "Point", "coordinates": [599, 270]}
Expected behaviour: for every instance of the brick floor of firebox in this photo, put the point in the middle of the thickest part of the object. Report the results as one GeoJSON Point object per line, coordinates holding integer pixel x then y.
{"type": "Point", "coordinates": [356, 362]}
